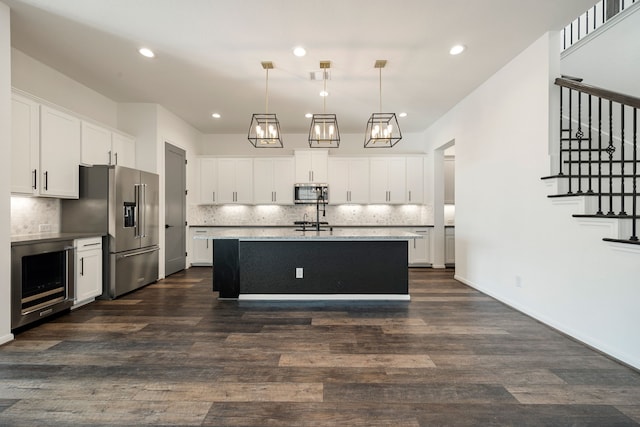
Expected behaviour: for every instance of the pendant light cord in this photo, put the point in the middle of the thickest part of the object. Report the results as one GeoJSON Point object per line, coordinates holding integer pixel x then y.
{"type": "Point", "coordinates": [266, 94]}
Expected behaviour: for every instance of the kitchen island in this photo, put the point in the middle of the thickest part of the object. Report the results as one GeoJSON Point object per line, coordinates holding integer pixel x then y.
{"type": "Point", "coordinates": [283, 263]}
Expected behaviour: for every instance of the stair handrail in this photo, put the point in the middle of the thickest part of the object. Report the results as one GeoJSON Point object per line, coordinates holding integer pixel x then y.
{"type": "Point", "coordinates": [609, 95]}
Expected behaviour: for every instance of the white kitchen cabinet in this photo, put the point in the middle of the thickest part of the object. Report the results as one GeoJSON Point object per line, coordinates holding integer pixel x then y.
{"type": "Point", "coordinates": [25, 145]}
{"type": "Point", "coordinates": [95, 144]}
{"type": "Point", "coordinates": [235, 180]}
{"type": "Point", "coordinates": [415, 180]}
{"type": "Point", "coordinates": [273, 179]}
{"type": "Point", "coordinates": [348, 180]}
{"type": "Point", "coordinates": [420, 249]}
{"type": "Point", "coordinates": [388, 180]}
{"type": "Point", "coordinates": [449, 246]}
{"type": "Point", "coordinates": [101, 146]}
{"type": "Point", "coordinates": [311, 166]}
{"type": "Point", "coordinates": [123, 150]}
{"type": "Point", "coordinates": [208, 180]}
{"type": "Point", "coordinates": [201, 250]}
{"type": "Point", "coordinates": [449, 180]}
{"type": "Point", "coordinates": [88, 266]}
{"type": "Point", "coordinates": [59, 153]}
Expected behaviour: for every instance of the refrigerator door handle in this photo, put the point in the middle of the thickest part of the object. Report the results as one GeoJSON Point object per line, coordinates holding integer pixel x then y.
{"type": "Point", "coordinates": [143, 205]}
{"type": "Point", "coordinates": [136, 219]}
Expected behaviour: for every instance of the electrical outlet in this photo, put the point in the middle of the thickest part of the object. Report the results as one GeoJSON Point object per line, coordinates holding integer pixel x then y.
{"type": "Point", "coordinates": [299, 272]}
{"type": "Point", "coordinates": [44, 228]}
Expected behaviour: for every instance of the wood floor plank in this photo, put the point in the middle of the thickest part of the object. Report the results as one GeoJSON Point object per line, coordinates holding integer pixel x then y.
{"type": "Point", "coordinates": [173, 354]}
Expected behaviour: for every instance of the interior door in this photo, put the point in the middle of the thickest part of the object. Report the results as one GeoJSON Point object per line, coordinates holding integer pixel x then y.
{"type": "Point", "coordinates": [175, 209]}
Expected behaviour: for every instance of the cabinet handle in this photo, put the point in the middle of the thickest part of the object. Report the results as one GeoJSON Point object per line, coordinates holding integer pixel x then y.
{"type": "Point", "coordinates": [82, 266]}
{"type": "Point", "coordinates": [35, 179]}
{"type": "Point", "coordinates": [109, 156]}
{"type": "Point", "coordinates": [46, 180]}
{"type": "Point", "coordinates": [91, 244]}
{"type": "Point", "coordinates": [116, 156]}
{"type": "Point", "coordinates": [214, 196]}
{"type": "Point", "coordinates": [409, 195]}
{"type": "Point", "coordinates": [207, 242]}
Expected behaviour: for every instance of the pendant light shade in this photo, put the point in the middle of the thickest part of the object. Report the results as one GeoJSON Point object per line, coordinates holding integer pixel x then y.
{"type": "Point", "coordinates": [264, 130]}
{"type": "Point", "coordinates": [324, 132]}
{"type": "Point", "coordinates": [383, 130]}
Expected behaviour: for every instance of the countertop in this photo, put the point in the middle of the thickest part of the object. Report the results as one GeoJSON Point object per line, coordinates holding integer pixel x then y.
{"type": "Point", "coordinates": [27, 239]}
{"type": "Point", "coordinates": [296, 226]}
{"type": "Point", "coordinates": [284, 233]}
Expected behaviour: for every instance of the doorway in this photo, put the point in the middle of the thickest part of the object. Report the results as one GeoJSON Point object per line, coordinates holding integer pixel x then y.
{"type": "Point", "coordinates": [175, 211]}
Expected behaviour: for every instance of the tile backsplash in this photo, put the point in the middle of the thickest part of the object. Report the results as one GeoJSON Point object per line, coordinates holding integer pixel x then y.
{"type": "Point", "coordinates": [31, 215]}
{"type": "Point", "coordinates": [286, 215]}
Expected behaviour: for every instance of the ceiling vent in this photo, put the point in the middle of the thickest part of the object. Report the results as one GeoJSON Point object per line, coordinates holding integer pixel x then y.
{"type": "Point", "coordinates": [319, 75]}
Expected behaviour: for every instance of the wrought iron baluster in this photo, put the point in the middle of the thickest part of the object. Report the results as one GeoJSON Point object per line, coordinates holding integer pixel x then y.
{"type": "Point", "coordinates": [579, 135]}
{"type": "Point", "coordinates": [599, 156]}
{"type": "Point", "coordinates": [622, 212]}
{"type": "Point", "coordinates": [570, 134]}
{"type": "Point", "coordinates": [560, 169]}
{"type": "Point", "coordinates": [590, 180]}
{"type": "Point", "coordinates": [634, 221]}
{"type": "Point", "coordinates": [610, 150]}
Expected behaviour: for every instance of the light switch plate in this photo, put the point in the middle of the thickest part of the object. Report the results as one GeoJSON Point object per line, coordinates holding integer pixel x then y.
{"type": "Point", "coordinates": [299, 272]}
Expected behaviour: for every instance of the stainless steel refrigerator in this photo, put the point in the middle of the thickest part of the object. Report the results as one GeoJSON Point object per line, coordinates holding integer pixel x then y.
{"type": "Point", "coordinates": [122, 204]}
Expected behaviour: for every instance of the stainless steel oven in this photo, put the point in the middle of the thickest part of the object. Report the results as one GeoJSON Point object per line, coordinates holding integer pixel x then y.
{"type": "Point", "coordinates": [42, 280]}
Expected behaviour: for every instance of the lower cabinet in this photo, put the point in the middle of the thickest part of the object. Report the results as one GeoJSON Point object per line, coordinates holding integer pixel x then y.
{"type": "Point", "coordinates": [88, 268]}
{"type": "Point", "coordinates": [449, 246]}
{"type": "Point", "coordinates": [420, 249]}
{"type": "Point", "coordinates": [201, 250]}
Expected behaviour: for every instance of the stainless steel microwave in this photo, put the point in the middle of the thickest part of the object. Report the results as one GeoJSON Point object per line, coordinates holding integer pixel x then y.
{"type": "Point", "coordinates": [311, 193]}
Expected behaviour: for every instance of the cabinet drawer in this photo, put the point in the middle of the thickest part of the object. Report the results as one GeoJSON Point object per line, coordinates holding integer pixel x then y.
{"type": "Point", "coordinates": [89, 243]}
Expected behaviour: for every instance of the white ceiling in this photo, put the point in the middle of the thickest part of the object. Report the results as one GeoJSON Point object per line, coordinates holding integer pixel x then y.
{"type": "Point", "coordinates": [209, 53]}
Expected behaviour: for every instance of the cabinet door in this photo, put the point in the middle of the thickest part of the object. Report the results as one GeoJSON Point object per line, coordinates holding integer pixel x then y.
{"type": "Point", "coordinates": [95, 145]}
{"type": "Point", "coordinates": [415, 180]}
{"type": "Point", "coordinates": [397, 180]}
{"type": "Point", "coordinates": [311, 166]}
{"type": "Point", "coordinates": [201, 250]}
{"type": "Point", "coordinates": [338, 170]}
{"type": "Point", "coordinates": [244, 181]}
{"type": "Point", "coordinates": [358, 181]}
{"type": "Point", "coordinates": [226, 181]}
{"type": "Point", "coordinates": [420, 249]}
{"type": "Point", "coordinates": [88, 269]}
{"type": "Point", "coordinates": [123, 151]}
{"type": "Point", "coordinates": [449, 180]}
{"type": "Point", "coordinates": [24, 145]}
{"type": "Point", "coordinates": [449, 246]}
{"type": "Point", "coordinates": [208, 179]}
{"type": "Point", "coordinates": [59, 153]}
{"type": "Point", "coordinates": [283, 180]}
{"type": "Point", "coordinates": [379, 170]}
{"type": "Point", "coordinates": [263, 184]}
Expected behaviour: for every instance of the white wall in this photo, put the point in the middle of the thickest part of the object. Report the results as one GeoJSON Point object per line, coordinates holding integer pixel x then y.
{"type": "Point", "coordinates": [350, 144]}
{"type": "Point", "coordinates": [5, 175]}
{"type": "Point", "coordinates": [40, 80]}
{"type": "Point", "coordinates": [509, 232]}
{"type": "Point", "coordinates": [141, 120]}
{"type": "Point", "coordinates": [611, 50]}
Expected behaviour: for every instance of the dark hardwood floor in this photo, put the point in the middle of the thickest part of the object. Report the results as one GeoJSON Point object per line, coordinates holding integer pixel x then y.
{"type": "Point", "coordinates": [172, 354]}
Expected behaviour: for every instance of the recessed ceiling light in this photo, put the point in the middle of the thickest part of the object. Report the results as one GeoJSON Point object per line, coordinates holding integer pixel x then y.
{"type": "Point", "coordinates": [324, 93]}
{"type": "Point", "coordinates": [216, 115]}
{"type": "Point", "coordinates": [145, 51]}
{"type": "Point", "coordinates": [457, 49]}
{"type": "Point", "coordinates": [299, 51]}
{"type": "Point", "coordinates": [403, 114]}
{"type": "Point", "coordinates": [308, 115]}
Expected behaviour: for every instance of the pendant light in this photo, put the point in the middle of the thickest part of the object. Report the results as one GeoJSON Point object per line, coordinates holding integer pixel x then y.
{"type": "Point", "coordinates": [383, 130]}
{"type": "Point", "coordinates": [324, 132]}
{"type": "Point", "coordinates": [264, 130]}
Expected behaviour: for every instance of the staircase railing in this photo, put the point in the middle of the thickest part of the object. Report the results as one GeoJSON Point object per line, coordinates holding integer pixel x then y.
{"type": "Point", "coordinates": [592, 19]}
{"type": "Point", "coordinates": [598, 151]}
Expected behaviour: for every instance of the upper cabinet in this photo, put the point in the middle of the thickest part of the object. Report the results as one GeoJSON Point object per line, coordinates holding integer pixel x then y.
{"type": "Point", "coordinates": [59, 153]}
{"type": "Point", "coordinates": [415, 180]}
{"type": "Point", "coordinates": [449, 180]}
{"type": "Point", "coordinates": [311, 166]}
{"type": "Point", "coordinates": [100, 146]}
{"type": "Point", "coordinates": [25, 145]}
{"type": "Point", "coordinates": [388, 180]}
{"type": "Point", "coordinates": [45, 149]}
{"type": "Point", "coordinates": [348, 180]}
{"type": "Point", "coordinates": [273, 179]}
{"type": "Point", "coordinates": [208, 180]}
{"type": "Point", "coordinates": [235, 180]}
